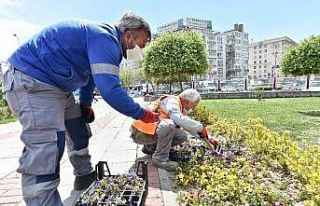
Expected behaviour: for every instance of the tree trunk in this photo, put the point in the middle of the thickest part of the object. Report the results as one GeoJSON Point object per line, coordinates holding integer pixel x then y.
{"type": "Point", "coordinates": [156, 93]}
{"type": "Point", "coordinates": [180, 84]}
{"type": "Point", "coordinates": [245, 84]}
{"type": "Point", "coordinates": [219, 85]}
{"type": "Point", "coordinates": [274, 84]}
{"type": "Point", "coordinates": [308, 81]}
{"type": "Point", "coordinates": [170, 88]}
{"type": "Point", "coordinates": [152, 87]}
{"type": "Point", "coordinates": [147, 88]}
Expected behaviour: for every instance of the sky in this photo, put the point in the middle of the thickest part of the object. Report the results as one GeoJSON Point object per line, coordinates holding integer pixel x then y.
{"type": "Point", "coordinates": [262, 19]}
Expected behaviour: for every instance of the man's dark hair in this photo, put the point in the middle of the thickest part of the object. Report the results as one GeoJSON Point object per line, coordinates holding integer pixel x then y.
{"type": "Point", "coordinates": [130, 21]}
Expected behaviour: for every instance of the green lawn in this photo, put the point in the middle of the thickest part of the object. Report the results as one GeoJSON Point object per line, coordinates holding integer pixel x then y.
{"type": "Point", "coordinates": [299, 115]}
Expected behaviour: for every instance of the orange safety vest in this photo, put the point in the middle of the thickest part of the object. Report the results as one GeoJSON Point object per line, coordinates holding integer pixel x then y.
{"type": "Point", "coordinates": [150, 128]}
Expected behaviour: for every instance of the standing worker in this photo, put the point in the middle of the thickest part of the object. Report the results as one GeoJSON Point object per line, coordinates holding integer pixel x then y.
{"type": "Point", "coordinates": [44, 72]}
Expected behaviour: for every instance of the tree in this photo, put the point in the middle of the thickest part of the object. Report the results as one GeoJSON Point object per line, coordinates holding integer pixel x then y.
{"type": "Point", "coordinates": [130, 77]}
{"type": "Point", "coordinates": [175, 57]}
{"type": "Point", "coordinates": [303, 59]}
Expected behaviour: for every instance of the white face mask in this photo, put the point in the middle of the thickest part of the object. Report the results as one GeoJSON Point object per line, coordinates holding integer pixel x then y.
{"type": "Point", "coordinates": [187, 112]}
{"type": "Point", "coordinates": [134, 55]}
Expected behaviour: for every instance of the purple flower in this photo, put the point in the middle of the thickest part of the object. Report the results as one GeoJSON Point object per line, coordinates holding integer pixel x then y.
{"type": "Point", "coordinates": [132, 176]}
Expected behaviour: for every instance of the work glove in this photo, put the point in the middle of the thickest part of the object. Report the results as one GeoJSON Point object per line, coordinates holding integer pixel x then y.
{"type": "Point", "coordinates": [87, 113]}
{"type": "Point", "coordinates": [204, 135]}
{"type": "Point", "coordinates": [213, 141]}
{"type": "Point", "coordinates": [149, 116]}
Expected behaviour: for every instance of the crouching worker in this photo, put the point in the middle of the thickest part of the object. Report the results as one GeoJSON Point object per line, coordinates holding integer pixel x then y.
{"type": "Point", "coordinates": [173, 128]}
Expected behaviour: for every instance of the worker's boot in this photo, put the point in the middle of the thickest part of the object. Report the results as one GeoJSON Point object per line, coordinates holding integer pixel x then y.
{"type": "Point", "coordinates": [166, 165]}
{"type": "Point", "coordinates": [84, 181]}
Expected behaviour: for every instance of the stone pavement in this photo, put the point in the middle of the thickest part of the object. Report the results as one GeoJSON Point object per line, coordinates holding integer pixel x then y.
{"type": "Point", "coordinates": [110, 142]}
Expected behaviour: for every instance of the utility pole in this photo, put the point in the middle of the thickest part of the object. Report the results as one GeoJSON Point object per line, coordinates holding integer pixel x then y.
{"type": "Point", "coordinates": [275, 67]}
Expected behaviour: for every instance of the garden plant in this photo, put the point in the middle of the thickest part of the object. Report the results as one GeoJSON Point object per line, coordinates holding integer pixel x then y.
{"type": "Point", "coordinates": [257, 166]}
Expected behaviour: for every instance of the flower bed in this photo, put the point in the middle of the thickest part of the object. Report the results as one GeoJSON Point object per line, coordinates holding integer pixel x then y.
{"type": "Point", "coordinates": [256, 167]}
{"type": "Point", "coordinates": [116, 189]}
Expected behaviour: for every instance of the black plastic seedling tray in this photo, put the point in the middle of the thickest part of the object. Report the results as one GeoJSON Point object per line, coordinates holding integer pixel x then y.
{"type": "Point", "coordinates": [133, 193]}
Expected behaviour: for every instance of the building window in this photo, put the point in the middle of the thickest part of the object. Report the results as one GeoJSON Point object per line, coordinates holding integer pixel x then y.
{"type": "Point", "coordinates": [265, 51]}
{"type": "Point", "coordinates": [212, 52]}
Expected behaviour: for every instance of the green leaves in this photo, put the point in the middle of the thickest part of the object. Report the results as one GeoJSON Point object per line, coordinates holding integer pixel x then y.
{"type": "Point", "coordinates": [130, 77]}
{"type": "Point", "coordinates": [175, 56]}
{"type": "Point", "coordinates": [267, 168]}
{"type": "Point", "coordinates": [303, 59]}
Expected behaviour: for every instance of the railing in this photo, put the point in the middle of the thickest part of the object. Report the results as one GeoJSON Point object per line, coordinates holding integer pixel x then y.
{"type": "Point", "coordinates": [263, 94]}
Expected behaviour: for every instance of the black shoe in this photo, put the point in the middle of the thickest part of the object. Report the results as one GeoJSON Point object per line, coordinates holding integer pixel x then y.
{"type": "Point", "coordinates": [148, 149]}
{"type": "Point", "coordinates": [84, 181]}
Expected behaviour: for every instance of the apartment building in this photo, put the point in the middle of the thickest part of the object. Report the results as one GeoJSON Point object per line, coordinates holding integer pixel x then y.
{"type": "Point", "coordinates": [188, 22]}
{"type": "Point", "coordinates": [237, 52]}
{"type": "Point", "coordinates": [214, 42]}
{"type": "Point", "coordinates": [265, 57]}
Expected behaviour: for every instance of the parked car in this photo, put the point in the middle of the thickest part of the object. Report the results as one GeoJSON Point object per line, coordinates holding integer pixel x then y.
{"type": "Point", "coordinates": [136, 91]}
{"type": "Point", "coordinates": [314, 86]}
{"type": "Point", "coordinates": [204, 87]}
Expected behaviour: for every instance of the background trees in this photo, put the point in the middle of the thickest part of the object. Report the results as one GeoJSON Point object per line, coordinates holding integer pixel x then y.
{"type": "Point", "coordinates": [130, 77]}
{"type": "Point", "coordinates": [303, 59]}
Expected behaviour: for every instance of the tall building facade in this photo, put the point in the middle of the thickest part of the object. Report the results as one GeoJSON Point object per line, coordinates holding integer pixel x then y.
{"type": "Point", "coordinates": [265, 57]}
{"type": "Point", "coordinates": [214, 43]}
{"type": "Point", "coordinates": [237, 52]}
{"type": "Point", "coordinates": [181, 24]}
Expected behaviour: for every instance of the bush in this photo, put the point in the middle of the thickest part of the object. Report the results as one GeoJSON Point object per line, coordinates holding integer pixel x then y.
{"type": "Point", "coordinates": [258, 167]}
{"type": "Point", "coordinates": [5, 113]}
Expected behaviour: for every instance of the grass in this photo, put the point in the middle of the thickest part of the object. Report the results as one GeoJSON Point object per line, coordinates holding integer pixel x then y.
{"type": "Point", "coordinates": [301, 116]}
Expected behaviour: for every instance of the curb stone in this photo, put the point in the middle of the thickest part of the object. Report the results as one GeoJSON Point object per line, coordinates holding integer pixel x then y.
{"type": "Point", "coordinates": [169, 196]}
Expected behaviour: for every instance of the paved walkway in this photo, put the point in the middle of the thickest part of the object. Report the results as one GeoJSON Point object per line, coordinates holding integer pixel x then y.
{"type": "Point", "coordinates": [110, 142]}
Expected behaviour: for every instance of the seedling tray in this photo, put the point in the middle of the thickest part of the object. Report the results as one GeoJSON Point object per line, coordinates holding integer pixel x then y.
{"type": "Point", "coordinates": [116, 190]}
